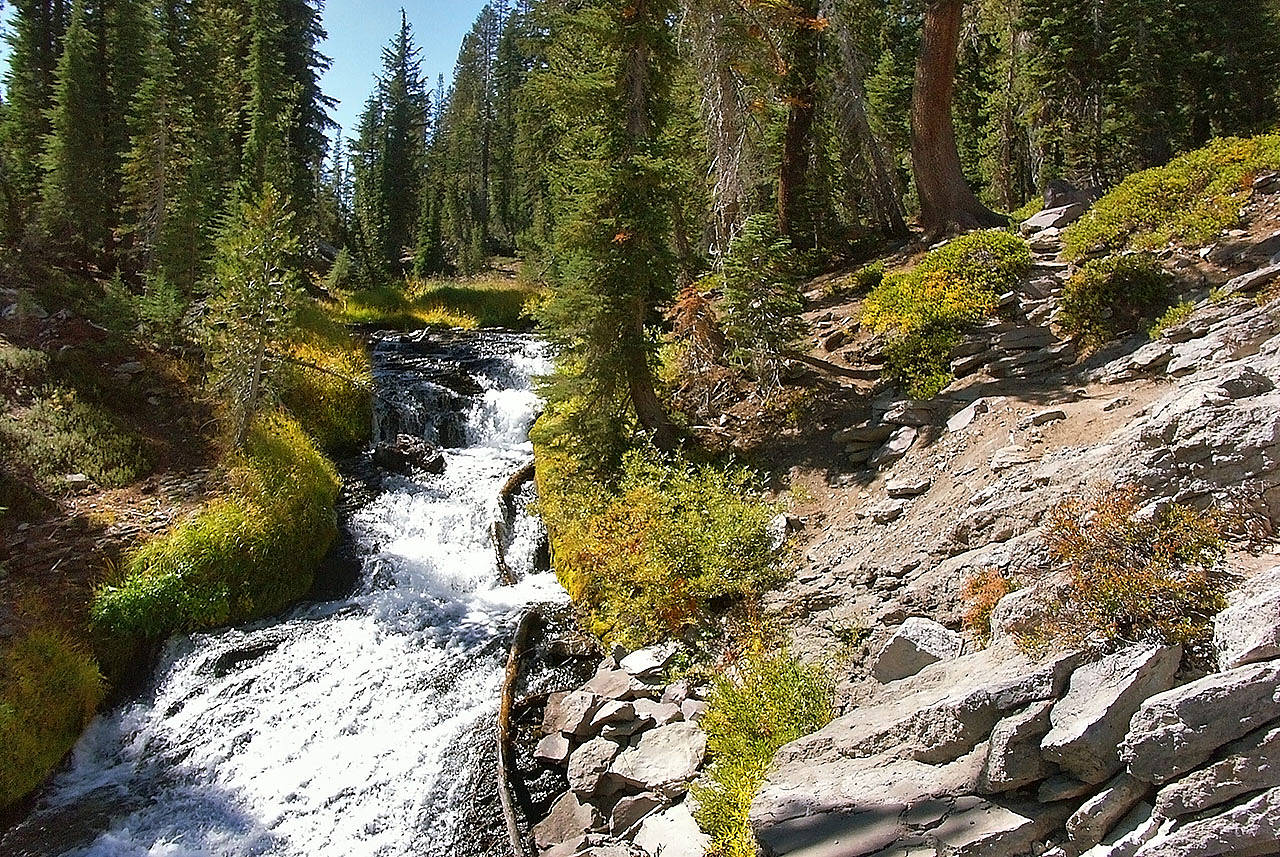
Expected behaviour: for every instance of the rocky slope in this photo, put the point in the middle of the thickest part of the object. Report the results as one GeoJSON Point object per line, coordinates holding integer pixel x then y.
{"type": "Point", "coordinates": [947, 748]}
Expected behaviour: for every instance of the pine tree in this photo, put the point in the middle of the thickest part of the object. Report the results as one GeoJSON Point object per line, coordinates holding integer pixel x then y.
{"type": "Point", "coordinates": [608, 84]}
{"type": "Point", "coordinates": [253, 307]}
{"type": "Point", "coordinates": [35, 45]}
{"type": "Point", "coordinates": [76, 159]}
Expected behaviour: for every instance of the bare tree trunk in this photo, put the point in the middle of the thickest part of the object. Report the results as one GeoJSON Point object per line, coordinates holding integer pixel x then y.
{"type": "Point", "coordinates": [947, 203]}
{"type": "Point", "coordinates": [802, 93]}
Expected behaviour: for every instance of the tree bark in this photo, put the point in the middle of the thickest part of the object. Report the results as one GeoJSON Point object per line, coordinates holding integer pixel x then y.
{"type": "Point", "coordinates": [947, 203]}
{"type": "Point", "coordinates": [802, 93]}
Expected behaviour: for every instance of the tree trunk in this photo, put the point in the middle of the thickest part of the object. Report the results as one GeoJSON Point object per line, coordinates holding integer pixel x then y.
{"type": "Point", "coordinates": [802, 93]}
{"type": "Point", "coordinates": [649, 410]}
{"type": "Point", "coordinates": [947, 204]}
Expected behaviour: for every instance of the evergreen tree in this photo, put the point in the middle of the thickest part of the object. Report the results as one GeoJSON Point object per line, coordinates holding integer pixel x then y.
{"type": "Point", "coordinates": [256, 288]}
{"type": "Point", "coordinates": [76, 159]}
{"type": "Point", "coordinates": [35, 45]}
{"type": "Point", "coordinates": [608, 83]}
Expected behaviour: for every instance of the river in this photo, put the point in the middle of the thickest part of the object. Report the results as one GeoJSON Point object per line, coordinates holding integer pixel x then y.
{"type": "Point", "coordinates": [349, 727]}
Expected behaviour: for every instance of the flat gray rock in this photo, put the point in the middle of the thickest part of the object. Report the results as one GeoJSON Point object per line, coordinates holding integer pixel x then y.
{"type": "Point", "coordinates": [1099, 815]}
{"type": "Point", "coordinates": [1248, 631]}
{"type": "Point", "coordinates": [1092, 719]}
{"type": "Point", "coordinates": [1252, 764]}
{"type": "Point", "coordinates": [663, 758]}
{"type": "Point", "coordinates": [588, 765]}
{"type": "Point", "coordinates": [570, 712]}
{"type": "Point", "coordinates": [1013, 753]}
{"type": "Point", "coordinates": [672, 833]}
{"type": "Point", "coordinates": [1177, 731]}
{"type": "Point", "coordinates": [916, 644]}
{"type": "Point", "coordinates": [570, 817]}
{"type": "Point", "coordinates": [553, 749]}
{"type": "Point", "coordinates": [1251, 827]}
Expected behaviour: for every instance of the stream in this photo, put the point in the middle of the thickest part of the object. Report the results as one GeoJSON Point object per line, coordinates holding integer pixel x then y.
{"type": "Point", "coordinates": [350, 727]}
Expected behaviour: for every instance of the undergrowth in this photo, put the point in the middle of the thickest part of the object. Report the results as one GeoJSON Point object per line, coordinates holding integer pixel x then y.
{"type": "Point", "coordinates": [767, 699]}
{"type": "Point", "coordinates": [1114, 295]}
{"type": "Point", "coordinates": [926, 308]}
{"type": "Point", "coordinates": [657, 554]}
{"type": "Point", "coordinates": [1192, 199]}
{"type": "Point", "coordinates": [49, 690]}
{"type": "Point", "coordinates": [1173, 316]}
{"type": "Point", "coordinates": [981, 593]}
{"type": "Point", "coordinates": [244, 555]}
{"type": "Point", "coordinates": [1137, 575]}
{"type": "Point", "coordinates": [464, 304]}
{"type": "Point", "coordinates": [61, 432]}
{"type": "Point", "coordinates": [328, 382]}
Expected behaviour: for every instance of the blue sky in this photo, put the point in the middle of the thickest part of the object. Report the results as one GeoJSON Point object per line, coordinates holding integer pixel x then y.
{"type": "Point", "coordinates": [358, 29]}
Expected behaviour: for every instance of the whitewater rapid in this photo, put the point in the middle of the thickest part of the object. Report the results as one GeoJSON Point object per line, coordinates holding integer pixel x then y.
{"type": "Point", "coordinates": [346, 727]}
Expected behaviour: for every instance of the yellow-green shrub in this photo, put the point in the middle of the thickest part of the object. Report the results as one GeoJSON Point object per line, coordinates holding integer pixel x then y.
{"type": "Point", "coordinates": [926, 307]}
{"type": "Point", "coordinates": [1191, 199]}
{"type": "Point", "coordinates": [436, 303]}
{"type": "Point", "coordinates": [49, 690]}
{"type": "Point", "coordinates": [244, 555]}
{"type": "Point", "coordinates": [1173, 316]}
{"type": "Point", "coordinates": [1136, 576]}
{"type": "Point", "coordinates": [657, 554]}
{"type": "Point", "coordinates": [1114, 295]}
{"type": "Point", "coordinates": [328, 382]}
{"type": "Point", "coordinates": [767, 699]}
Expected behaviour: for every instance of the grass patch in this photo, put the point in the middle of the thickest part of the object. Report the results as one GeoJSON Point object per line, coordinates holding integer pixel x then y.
{"type": "Point", "coordinates": [21, 367]}
{"type": "Point", "coordinates": [328, 382]}
{"type": "Point", "coordinates": [49, 690]}
{"type": "Point", "coordinates": [1114, 295]}
{"type": "Point", "coordinates": [1137, 576]}
{"type": "Point", "coordinates": [468, 304]}
{"type": "Point", "coordinates": [61, 433]}
{"type": "Point", "coordinates": [1192, 199]}
{"type": "Point", "coordinates": [768, 699]}
{"type": "Point", "coordinates": [927, 307]}
{"type": "Point", "coordinates": [1173, 316]}
{"type": "Point", "coordinates": [662, 551]}
{"type": "Point", "coordinates": [245, 555]}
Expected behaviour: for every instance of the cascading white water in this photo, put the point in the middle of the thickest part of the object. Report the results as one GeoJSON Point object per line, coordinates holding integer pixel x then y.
{"type": "Point", "coordinates": [342, 728]}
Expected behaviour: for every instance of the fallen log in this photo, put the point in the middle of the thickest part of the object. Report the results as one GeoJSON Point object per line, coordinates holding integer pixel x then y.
{"type": "Point", "coordinates": [506, 744]}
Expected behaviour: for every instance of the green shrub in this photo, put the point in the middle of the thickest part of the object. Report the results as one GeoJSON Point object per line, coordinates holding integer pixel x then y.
{"type": "Point", "coordinates": [245, 555]}
{"type": "Point", "coordinates": [656, 555]}
{"type": "Point", "coordinates": [1114, 295]}
{"type": "Point", "coordinates": [160, 308]}
{"type": "Point", "coordinates": [1033, 207]}
{"type": "Point", "coordinates": [1135, 576]}
{"type": "Point", "coordinates": [926, 308]}
{"type": "Point", "coordinates": [1174, 316]}
{"type": "Point", "coordinates": [1191, 199]}
{"type": "Point", "coordinates": [762, 302]}
{"type": "Point", "coordinates": [49, 690]}
{"type": "Point", "coordinates": [62, 433]}
{"type": "Point", "coordinates": [766, 700]}
{"type": "Point", "coordinates": [21, 367]}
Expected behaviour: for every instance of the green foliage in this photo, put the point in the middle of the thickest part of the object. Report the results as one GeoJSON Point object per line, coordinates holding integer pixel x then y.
{"type": "Point", "coordinates": [652, 557]}
{"type": "Point", "coordinates": [927, 307]}
{"type": "Point", "coordinates": [252, 312]}
{"type": "Point", "coordinates": [248, 554]}
{"type": "Point", "coordinates": [764, 700]}
{"type": "Point", "coordinates": [49, 690]}
{"type": "Point", "coordinates": [160, 309]}
{"type": "Point", "coordinates": [1113, 295]}
{"type": "Point", "coordinates": [21, 367]}
{"type": "Point", "coordinates": [1190, 200]}
{"type": "Point", "coordinates": [61, 433]}
{"type": "Point", "coordinates": [1173, 316]}
{"type": "Point", "coordinates": [1135, 575]}
{"type": "Point", "coordinates": [762, 301]}
{"type": "Point", "coordinates": [327, 382]}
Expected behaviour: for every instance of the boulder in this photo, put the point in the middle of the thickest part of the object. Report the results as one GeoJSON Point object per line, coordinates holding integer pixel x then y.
{"type": "Point", "coordinates": [552, 750]}
{"type": "Point", "coordinates": [1133, 831]}
{"type": "Point", "coordinates": [693, 710]}
{"type": "Point", "coordinates": [651, 662]}
{"type": "Point", "coordinates": [1252, 281]}
{"type": "Point", "coordinates": [1052, 415]}
{"type": "Point", "coordinates": [611, 683]}
{"type": "Point", "coordinates": [899, 443]}
{"type": "Point", "coordinates": [1091, 823]}
{"type": "Point", "coordinates": [992, 829]}
{"type": "Point", "coordinates": [589, 763]}
{"type": "Point", "coordinates": [570, 816]}
{"type": "Point", "coordinates": [1012, 456]}
{"type": "Point", "coordinates": [909, 413]}
{"type": "Point", "coordinates": [866, 432]}
{"type": "Point", "coordinates": [918, 643]}
{"type": "Point", "coordinates": [631, 810]}
{"type": "Point", "coordinates": [408, 455]}
{"type": "Point", "coordinates": [888, 511]}
{"type": "Point", "coordinates": [614, 711]}
{"type": "Point", "coordinates": [663, 759]}
{"type": "Point", "coordinates": [1019, 612]}
{"type": "Point", "coordinates": [1252, 764]}
{"type": "Point", "coordinates": [1177, 731]}
{"type": "Point", "coordinates": [1251, 827]}
{"type": "Point", "coordinates": [1248, 631]}
{"type": "Point", "coordinates": [658, 713]}
{"type": "Point", "coordinates": [1053, 218]}
{"type": "Point", "coordinates": [1090, 721]}
{"type": "Point", "coordinates": [1061, 788]}
{"type": "Point", "coordinates": [672, 833]}
{"type": "Point", "coordinates": [965, 417]}
{"type": "Point", "coordinates": [570, 712]}
{"type": "Point", "coordinates": [1013, 754]}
